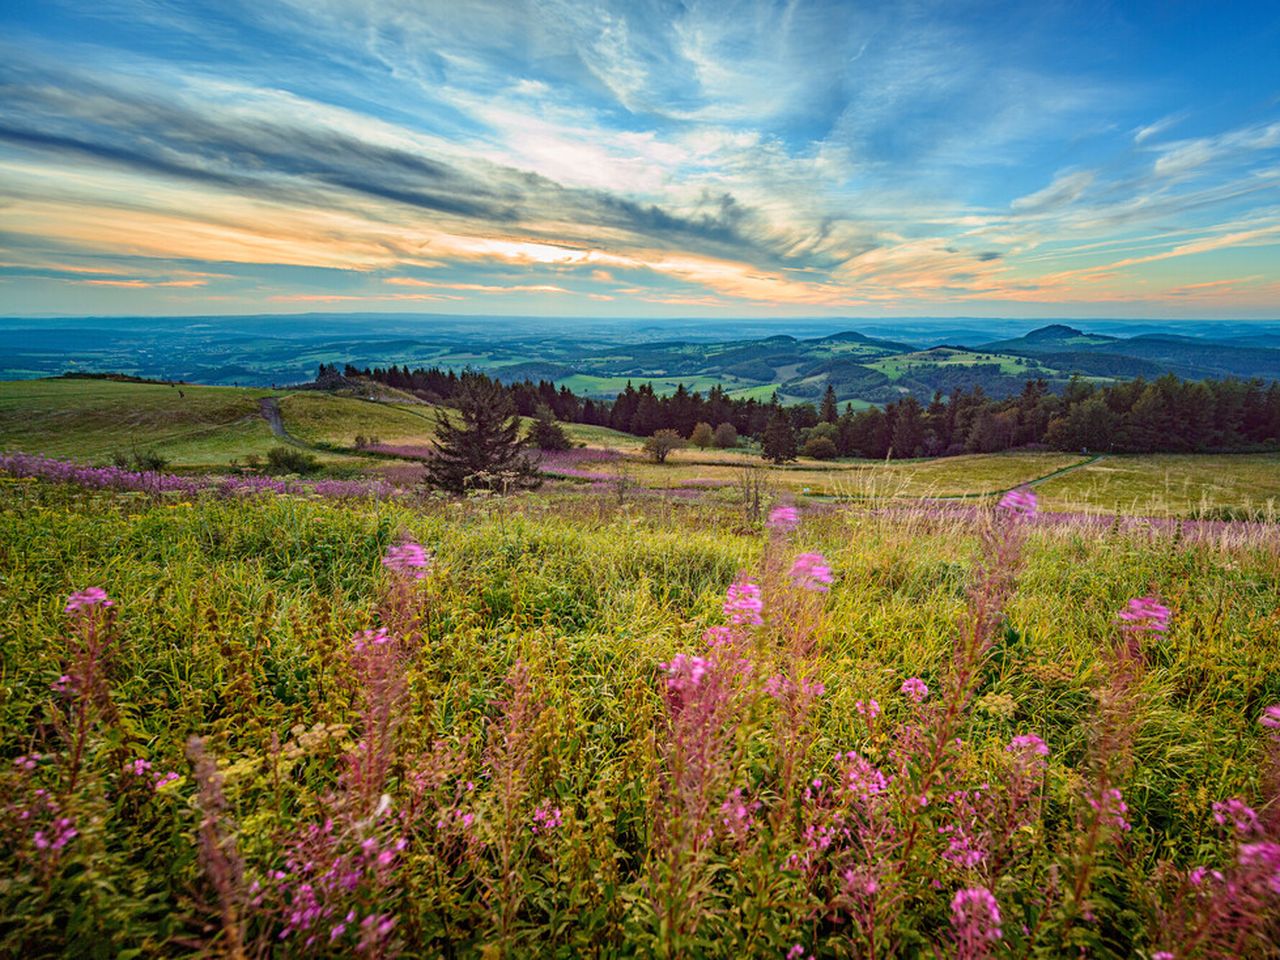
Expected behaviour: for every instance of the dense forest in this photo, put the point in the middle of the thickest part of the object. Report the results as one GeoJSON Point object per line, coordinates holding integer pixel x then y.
{"type": "Point", "coordinates": [1166, 415]}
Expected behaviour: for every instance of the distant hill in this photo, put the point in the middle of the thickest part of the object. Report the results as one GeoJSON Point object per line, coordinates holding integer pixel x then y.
{"type": "Point", "coordinates": [1145, 355]}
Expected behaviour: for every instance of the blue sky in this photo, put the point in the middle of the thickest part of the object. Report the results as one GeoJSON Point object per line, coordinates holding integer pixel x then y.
{"type": "Point", "coordinates": [640, 159]}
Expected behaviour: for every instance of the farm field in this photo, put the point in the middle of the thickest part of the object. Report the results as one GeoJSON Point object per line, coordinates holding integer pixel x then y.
{"type": "Point", "coordinates": [544, 758]}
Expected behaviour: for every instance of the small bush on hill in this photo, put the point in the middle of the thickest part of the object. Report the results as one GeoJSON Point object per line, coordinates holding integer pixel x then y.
{"type": "Point", "coordinates": [290, 460]}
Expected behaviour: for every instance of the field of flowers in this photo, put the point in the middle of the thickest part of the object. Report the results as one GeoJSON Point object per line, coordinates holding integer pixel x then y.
{"type": "Point", "coordinates": [279, 723]}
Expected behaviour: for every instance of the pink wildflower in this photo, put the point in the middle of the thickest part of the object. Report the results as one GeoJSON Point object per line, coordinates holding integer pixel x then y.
{"type": "Point", "coordinates": [743, 603]}
{"type": "Point", "coordinates": [862, 778]}
{"type": "Point", "coordinates": [165, 779]}
{"type": "Point", "coordinates": [1144, 615]}
{"type": "Point", "coordinates": [1020, 502]}
{"type": "Point", "coordinates": [718, 636]}
{"type": "Point", "coordinates": [1271, 717]}
{"type": "Point", "coordinates": [737, 814]}
{"type": "Point", "coordinates": [810, 572]}
{"type": "Point", "coordinates": [1111, 808]}
{"type": "Point", "coordinates": [1263, 856]}
{"type": "Point", "coordinates": [784, 518]}
{"type": "Point", "coordinates": [27, 762]}
{"type": "Point", "coordinates": [684, 672]}
{"type": "Point", "coordinates": [61, 833]}
{"type": "Point", "coordinates": [64, 684]}
{"type": "Point", "coordinates": [88, 598]}
{"type": "Point", "coordinates": [870, 709]}
{"type": "Point", "coordinates": [139, 767]}
{"type": "Point", "coordinates": [1028, 743]}
{"type": "Point", "coordinates": [915, 689]}
{"type": "Point", "coordinates": [408, 559]}
{"type": "Point", "coordinates": [975, 921]}
{"type": "Point", "coordinates": [371, 638]}
{"type": "Point", "coordinates": [1241, 816]}
{"type": "Point", "coordinates": [1162, 955]}
{"type": "Point", "coordinates": [545, 818]}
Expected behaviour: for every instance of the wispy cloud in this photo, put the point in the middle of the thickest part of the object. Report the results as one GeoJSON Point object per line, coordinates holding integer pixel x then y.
{"type": "Point", "coordinates": [802, 156]}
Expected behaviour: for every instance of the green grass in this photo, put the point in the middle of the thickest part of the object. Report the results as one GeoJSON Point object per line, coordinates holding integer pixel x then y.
{"type": "Point", "coordinates": [323, 418]}
{"type": "Point", "coordinates": [234, 618]}
{"type": "Point", "coordinates": [1170, 485]}
{"type": "Point", "coordinates": [91, 419]}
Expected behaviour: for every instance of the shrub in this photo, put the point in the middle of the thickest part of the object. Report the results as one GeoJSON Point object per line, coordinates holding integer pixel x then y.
{"type": "Point", "coordinates": [726, 436]}
{"type": "Point", "coordinates": [283, 459]}
{"type": "Point", "coordinates": [702, 436]}
{"type": "Point", "coordinates": [819, 448]}
{"type": "Point", "coordinates": [661, 444]}
{"type": "Point", "coordinates": [546, 434]}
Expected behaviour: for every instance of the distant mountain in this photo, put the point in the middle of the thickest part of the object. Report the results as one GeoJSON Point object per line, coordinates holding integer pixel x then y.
{"type": "Point", "coordinates": [1148, 354]}
{"type": "Point", "coordinates": [1056, 337]}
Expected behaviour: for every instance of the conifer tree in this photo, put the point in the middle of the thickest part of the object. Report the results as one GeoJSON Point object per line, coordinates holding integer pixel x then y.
{"type": "Point", "coordinates": [779, 437]}
{"type": "Point", "coordinates": [485, 451]}
{"type": "Point", "coordinates": [830, 408]}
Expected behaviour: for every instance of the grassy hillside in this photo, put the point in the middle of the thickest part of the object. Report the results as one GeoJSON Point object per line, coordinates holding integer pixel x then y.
{"type": "Point", "coordinates": [212, 428]}
{"type": "Point", "coordinates": [530, 766]}
{"type": "Point", "coordinates": [1171, 485]}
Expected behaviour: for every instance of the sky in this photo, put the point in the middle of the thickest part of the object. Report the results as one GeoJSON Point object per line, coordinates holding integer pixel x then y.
{"type": "Point", "coordinates": [640, 159]}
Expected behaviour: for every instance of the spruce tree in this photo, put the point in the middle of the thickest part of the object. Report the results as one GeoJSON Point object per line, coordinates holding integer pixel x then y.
{"type": "Point", "coordinates": [779, 437]}
{"type": "Point", "coordinates": [830, 408]}
{"type": "Point", "coordinates": [546, 434]}
{"type": "Point", "coordinates": [485, 451]}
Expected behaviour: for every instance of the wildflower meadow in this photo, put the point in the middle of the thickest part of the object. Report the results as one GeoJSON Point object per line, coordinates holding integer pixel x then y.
{"type": "Point", "coordinates": [279, 724]}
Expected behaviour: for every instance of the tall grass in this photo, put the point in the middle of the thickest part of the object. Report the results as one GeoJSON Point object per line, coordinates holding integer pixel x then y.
{"type": "Point", "coordinates": [562, 740]}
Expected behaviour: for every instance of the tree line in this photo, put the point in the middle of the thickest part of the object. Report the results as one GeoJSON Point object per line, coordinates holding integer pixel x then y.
{"type": "Point", "coordinates": [1165, 415]}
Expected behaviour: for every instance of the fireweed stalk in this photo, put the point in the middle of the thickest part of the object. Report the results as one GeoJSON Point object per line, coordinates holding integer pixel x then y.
{"type": "Point", "coordinates": [795, 594]}
{"type": "Point", "coordinates": [1002, 543]}
{"type": "Point", "coordinates": [510, 756]}
{"type": "Point", "coordinates": [84, 684]}
{"type": "Point", "coordinates": [1232, 910]}
{"type": "Point", "coordinates": [1103, 816]}
{"type": "Point", "coordinates": [704, 698]}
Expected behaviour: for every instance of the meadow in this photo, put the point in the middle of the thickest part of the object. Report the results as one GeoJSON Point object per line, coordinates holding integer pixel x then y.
{"type": "Point", "coordinates": [221, 428]}
{"type": "Point", "coordinates": [559, 725]}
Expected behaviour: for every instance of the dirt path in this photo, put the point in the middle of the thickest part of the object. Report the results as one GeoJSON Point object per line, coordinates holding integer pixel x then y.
{"type": "Point", "coordinates": [269, 408]}
{"type": "Point", "coordinates": [1063, 472]}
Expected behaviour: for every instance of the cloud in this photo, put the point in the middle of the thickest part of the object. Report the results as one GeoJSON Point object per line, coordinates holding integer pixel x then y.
{"type": "Point", "coordinates": [1065, 189]}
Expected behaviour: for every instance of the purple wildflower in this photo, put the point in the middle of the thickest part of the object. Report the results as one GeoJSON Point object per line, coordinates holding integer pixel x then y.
{"type": "Point", "coordinates": [784, 518]}
{"type": "Point", "coordinates": [545, 818]}
{"type": "Point", "coordinates": [684, 672]}
{"type": "Point", "coordinates": [1020, 502]}
{"type": "Point", "coordinates": [1028, 743]}
{"type": "Point", "coordinates": [87, 599]}
{"type": "Point", "coordinates": [1111, 809]}
{"type": "Point", "coordinates": [1271, 717]}
{"type": "Point", "coordinates": [915, 689]}
{"type": "Point", "coordinates": [810, 572]}
{"type": "Point", "coordinates": [870, 709]}
{"type": "Point", "coordinates": [743, 603]}
{"type": "Point", "coordinates": [1236, 812]}
{"type": "Point", "coordinates": [975, 921]}
{"type": "Point", "coordinates": [1144, 615]}
{"type": "Point", "coordinates": [408, 559]}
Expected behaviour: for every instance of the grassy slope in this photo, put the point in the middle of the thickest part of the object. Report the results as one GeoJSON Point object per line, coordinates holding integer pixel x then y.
{"type": "Point", "coordinates": [1166, 484]}
{"type": "Point", "coordinates": [208, 427]}
{"type": "Point", "coordinates": [91, 419]}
